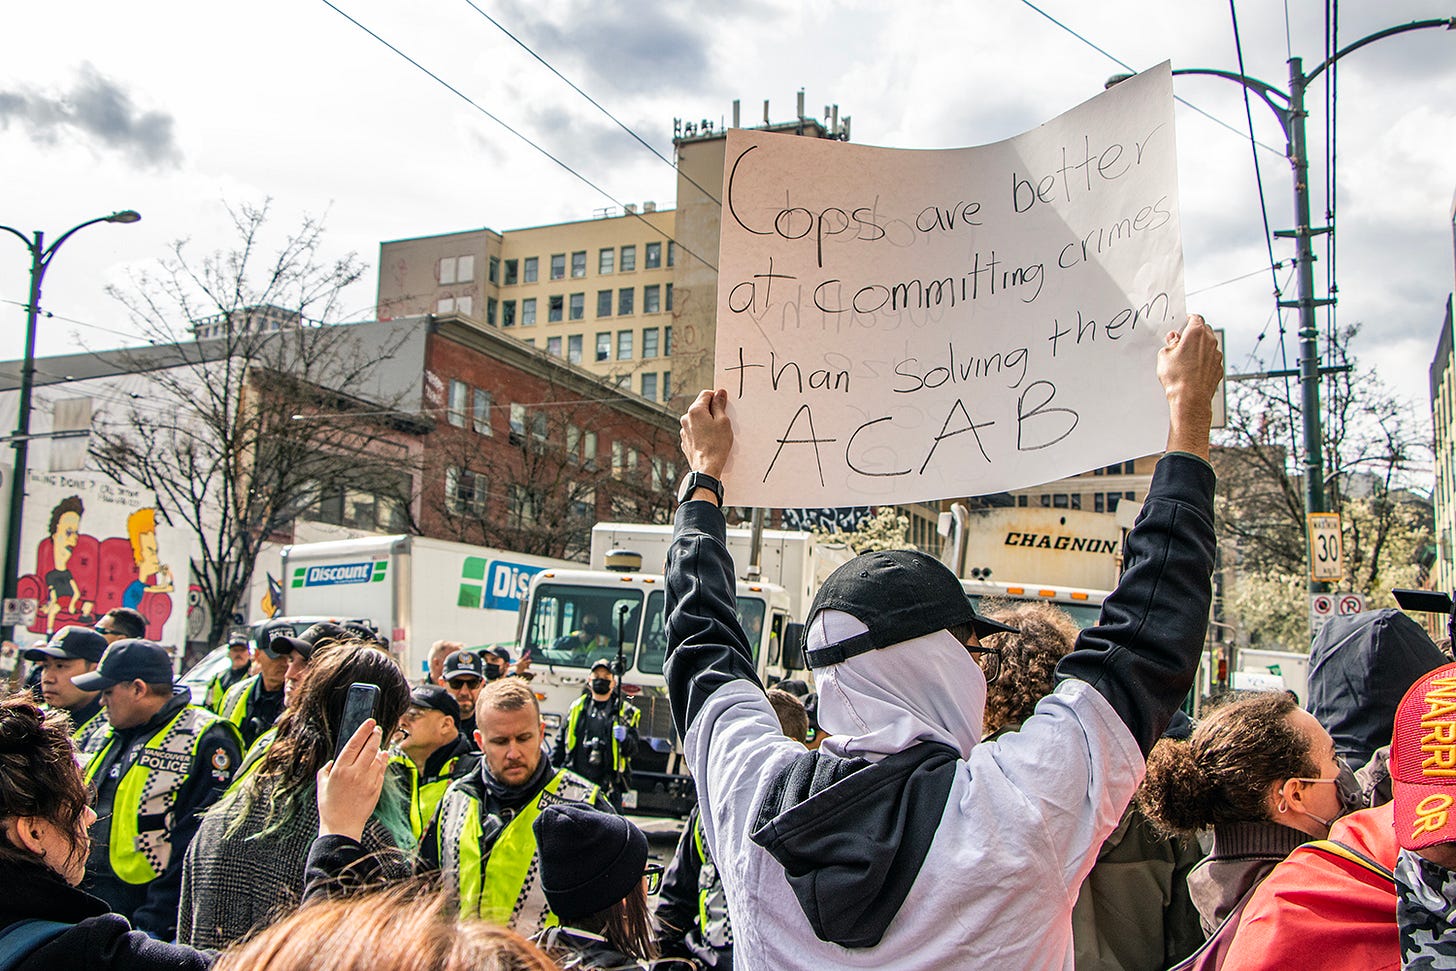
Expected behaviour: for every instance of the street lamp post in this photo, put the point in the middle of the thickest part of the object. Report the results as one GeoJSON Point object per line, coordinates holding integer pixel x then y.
{"type": "Point", "coordinates": [40, 260]}
{"type": "Point", "coordinates": [1291, 117]}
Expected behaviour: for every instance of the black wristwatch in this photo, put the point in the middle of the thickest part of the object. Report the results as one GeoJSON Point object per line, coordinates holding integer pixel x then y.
{"type": "Point", "coordinates": [694, 481]}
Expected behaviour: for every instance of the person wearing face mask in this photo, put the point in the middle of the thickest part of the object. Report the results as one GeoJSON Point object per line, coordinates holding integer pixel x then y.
{"type": "Point", "coordinates": [1263, 775]}
{"type": "Point", "coordinates": [1380, 892]}
{"type": "Point", "coordinates": [598, 737]}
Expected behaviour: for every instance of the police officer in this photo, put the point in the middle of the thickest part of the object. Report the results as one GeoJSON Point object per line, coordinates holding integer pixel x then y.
{"type": "Point", "coordinates": [72, 651]}
{"type": "Point", "coordinates": [481, 837]}
{"type": "Point", "coordinates": [255, 702]}
{"type": "Point", "coordinates": [239, 662]}
{"type": "Point", "coordinates": [598, 737]}
{"type": "Point", "coordinates": [432, 750]}
{"type": "Point", "coordinates": [157, 764]}
{"type": "Point", "coordinates": [464, 674]}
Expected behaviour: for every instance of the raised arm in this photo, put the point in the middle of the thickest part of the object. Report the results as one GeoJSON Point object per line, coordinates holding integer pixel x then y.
{"type": "Point", "coordinates": [1143, 654]}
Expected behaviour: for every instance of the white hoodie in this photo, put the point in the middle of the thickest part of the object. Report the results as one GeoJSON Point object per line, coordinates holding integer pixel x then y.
{"type": "Point", "coordinates": [1019, 831]}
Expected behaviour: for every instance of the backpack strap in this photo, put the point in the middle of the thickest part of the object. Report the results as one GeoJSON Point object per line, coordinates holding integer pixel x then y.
{"type": "Point", "coordinates": [24, 937]}
{"type": "Point", "coordinates": [1347, 852]}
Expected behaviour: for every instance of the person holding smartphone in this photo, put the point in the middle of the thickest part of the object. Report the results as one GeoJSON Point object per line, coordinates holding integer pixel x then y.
{"type": "Point", "coordinates": [248, 857]}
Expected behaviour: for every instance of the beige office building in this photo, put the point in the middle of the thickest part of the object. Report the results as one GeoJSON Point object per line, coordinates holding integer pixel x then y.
{"type": "Point", "coordinates": [597, 293]}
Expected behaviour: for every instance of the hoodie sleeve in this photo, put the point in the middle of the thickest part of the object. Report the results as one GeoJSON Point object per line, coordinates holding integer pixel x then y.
{"type": "Point", "coordinates": [1143, 654]}
{"type": "Point", "coordinates": [706, 646]}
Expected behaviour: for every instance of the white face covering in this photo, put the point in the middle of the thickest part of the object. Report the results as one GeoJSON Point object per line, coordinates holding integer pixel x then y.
{"type": "Point", "coordinates": [928, 689]}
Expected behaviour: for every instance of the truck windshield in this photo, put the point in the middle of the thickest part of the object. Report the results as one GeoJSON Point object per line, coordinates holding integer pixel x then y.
{"type": "Point", "coordinates": [573, 626]}
{"type": "Point", "coordinates": [654, 647]}
{"type": "Point", "coordinates": [1085, 614]}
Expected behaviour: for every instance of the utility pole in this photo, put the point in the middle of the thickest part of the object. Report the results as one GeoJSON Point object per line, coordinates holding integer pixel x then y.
{"type": "Point", "coordinates": [1289, 109]}
{"type": "Point", "coordinates": [40, 261]}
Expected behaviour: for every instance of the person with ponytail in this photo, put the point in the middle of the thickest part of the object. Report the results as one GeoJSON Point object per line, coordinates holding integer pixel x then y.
{"type": "Point", "coordinates": [1262, 773]}
{"type": "Point", "coordinates": [246, 865]}
{"type": "Point", "coordinates": [46, 921]}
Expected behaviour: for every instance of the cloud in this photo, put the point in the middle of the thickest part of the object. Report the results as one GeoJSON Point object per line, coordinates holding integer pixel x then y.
{"type": "Point", "coordinates": [100, 111]}
{"type": "Point", "coordinates": [619, 49]}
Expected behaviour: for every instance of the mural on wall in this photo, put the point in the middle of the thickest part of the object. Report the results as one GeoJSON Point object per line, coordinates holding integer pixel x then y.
{"type": "Point", "coordinates": [91, 545]}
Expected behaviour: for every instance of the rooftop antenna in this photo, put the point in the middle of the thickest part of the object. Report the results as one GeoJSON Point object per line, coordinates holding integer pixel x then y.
{"type": "Point", "coordinates": [735, 112]}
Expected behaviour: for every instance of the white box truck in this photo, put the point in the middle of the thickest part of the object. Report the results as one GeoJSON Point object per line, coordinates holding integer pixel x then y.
{"type": "Point", "coordinates": [415, 590]}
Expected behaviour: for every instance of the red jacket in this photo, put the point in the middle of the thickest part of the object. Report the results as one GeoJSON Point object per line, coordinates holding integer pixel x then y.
{"type": "Point", "coordinates": [1320, 907]}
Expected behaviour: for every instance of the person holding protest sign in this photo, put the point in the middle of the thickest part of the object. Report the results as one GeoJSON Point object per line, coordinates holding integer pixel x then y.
{"type": "Point", "coordinates": [826, 856]}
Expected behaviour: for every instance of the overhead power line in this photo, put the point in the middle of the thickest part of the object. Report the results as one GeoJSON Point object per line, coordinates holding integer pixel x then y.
{"type": "Point", "coordinates": [593, 101]}
{"type": "Point", "coordinates": [520, 135]}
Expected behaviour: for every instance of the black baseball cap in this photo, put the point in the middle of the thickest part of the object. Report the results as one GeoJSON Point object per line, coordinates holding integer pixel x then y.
{"type": "Point", "coordinates": [238, 638]}
{"type": "Point", "coordinates": [435, 698]}
{"type": "Point", "coordinates": [602, 662]}
{"type": "Point", "coordinates": [898, 595]}
{"type": "Point", "coordinates": [130, 659]}
{"type": "Point", "coordinates": [316, 636]}
{"type": "Point", "coordinates": [71, 643]}
{"type": "Point", "coordinates": [464, 663]}
{"type": "Point", "coordinates": [501, 652]}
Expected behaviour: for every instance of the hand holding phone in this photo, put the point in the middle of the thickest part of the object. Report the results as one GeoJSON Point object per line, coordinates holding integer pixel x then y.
{"type": "Point", "coordinates": [349, 785]}
{"type": "Point", "coordinates": [359, 706]}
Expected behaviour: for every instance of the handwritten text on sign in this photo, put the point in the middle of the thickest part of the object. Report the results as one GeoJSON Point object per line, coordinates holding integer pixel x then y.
{"type": "Point", "coordinates": [898, 325]}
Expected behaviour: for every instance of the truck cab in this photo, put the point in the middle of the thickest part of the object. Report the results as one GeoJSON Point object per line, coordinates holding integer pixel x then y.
{"type": "Point", "coordinates": [573, 618]}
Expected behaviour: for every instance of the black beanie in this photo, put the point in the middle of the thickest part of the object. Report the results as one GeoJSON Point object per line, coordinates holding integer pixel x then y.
{"type": "Point", "coordinates": [590, 859]}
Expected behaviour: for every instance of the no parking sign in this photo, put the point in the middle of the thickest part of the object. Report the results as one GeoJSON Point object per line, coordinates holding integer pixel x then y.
{"type": "Point", "coordinates": [1323, 606]}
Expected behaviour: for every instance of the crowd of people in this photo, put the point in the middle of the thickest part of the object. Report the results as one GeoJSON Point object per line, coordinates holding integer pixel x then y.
{"type": "Point", "coordinates": [949, 789]}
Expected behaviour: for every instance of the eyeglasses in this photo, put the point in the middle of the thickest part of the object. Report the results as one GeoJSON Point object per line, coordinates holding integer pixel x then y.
{"type": "Point", "coordinates": [989, 658]}
{"type": "Point", "coordinates": [458, 683]}
{"type": "Point", "coordinates": [105, 631]}
{"type": "Point", "coordinates": [652, 873]}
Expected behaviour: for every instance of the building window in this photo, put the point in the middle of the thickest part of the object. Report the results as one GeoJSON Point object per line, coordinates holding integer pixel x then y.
{"type": "Point", "coordinates": [652, 257]}
{"type": "Point", "coordinates": [528, 311]}
{"type": "Point", "coordinates": [525, 504]}
{"type": "Point", "coordinates": [629, 259]}
{"type": "Point", "coordinates": [667, 303]}
{"type": "Point", "coordinates": [1076, 498]}
{"type": "Point", "coordinates": [578, 263]}
{"type": "Point", "coordinates": [573, 443]}
{"type": "Point", "coordinates": [583, 504]}
{"type": "Point", "coordinates": [1059, 501]}
{"type": "Point", "coordinates": [558, 266]}
{"type": "Point", "coordinates": [624, 381]}
{"type": "Point", "coordinates": [528, 269]}
{"type": "Point", "coordinates": [649, 342]}
{"type": "Point", "coordinates": [666, 385]}
{"type": "Point", "coordinates": [606, 260]}
{"type": "Point", "coordinates": [464, 491]}
{"type": "Point", "coordinates": [457, 404]}
{"type": "Point", "coordinates": [490, 303]}
{"type": "Point", "coordinates": [604, 345]}
{"type": "Point", "coordinates": [538, 426]}
{"type": "Point", "coordinates": [651, 299]}
{"type": "Point", "coordinates": [671, 253]}
{"type": "Point", "coordinates": [553, 346]}
{"type": "Point", "coordinates": [604, 302]}
{"type": "Point", "coordinates": [493, 273]}
{"type": "Point", "coordinates": [625, 301]}
{"type": "Point", "coordinates": [508, 313]}
{"type": "Point", "coordinates": [553, 309]}
{"type": "Point", "coordinates": [649, 386]}
{"type": "Point", "coordinates": [481, 414]}
{"type": "Point", "coordinates": [464, 305]}
{"type": "Point", "coordinates": [445, 305]}
{"type": "Point", "coordinates": [576, 307]}
{"type": "Point", "coordinates": [589, 449]}
{"type": "Point", "coordinates": [619, 452]}
{"type": "Point", "coordinates": [624, 345]}
{"type": "Point", "coordinates": [1099, 502]}
{"type": "Point", "coordinates": [1021, 501]}
{"type": "Point", "coordinates": [667, 341]}
{"type": "Point", "coordinates": [511, 272]}
{"type": "Point", "coordinates": [457, 269]}
{"type": "Point", "coordinates": [518, 423]}
{"type": "Point", "coordinates": [573, 348]}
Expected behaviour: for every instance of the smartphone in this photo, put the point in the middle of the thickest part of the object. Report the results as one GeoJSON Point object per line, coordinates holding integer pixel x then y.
{"type": "Point", "coordinates": [359, 707]}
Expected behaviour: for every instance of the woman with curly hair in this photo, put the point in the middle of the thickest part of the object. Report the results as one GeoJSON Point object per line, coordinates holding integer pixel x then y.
{"type": "Point", "coordinates": [247, 863]}
{"type": "Point", "coordinates": [1262, 773]}
{"type": "Point", "coordinates": [1028, 661]}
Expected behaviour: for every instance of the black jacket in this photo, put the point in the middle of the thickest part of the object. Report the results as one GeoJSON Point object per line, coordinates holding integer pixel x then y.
{"type": "Point", "coordinates": [152, 907]}
{"type": "Point", "coordinates": [100, 939]}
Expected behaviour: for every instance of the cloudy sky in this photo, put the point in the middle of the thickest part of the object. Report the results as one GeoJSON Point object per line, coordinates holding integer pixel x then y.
{"type": "Point", "coordinates": [175, 108]}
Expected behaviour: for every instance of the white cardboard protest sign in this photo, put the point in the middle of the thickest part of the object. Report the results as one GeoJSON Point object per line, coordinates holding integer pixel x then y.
{"type": "Point", "coordinates": [899, 325]}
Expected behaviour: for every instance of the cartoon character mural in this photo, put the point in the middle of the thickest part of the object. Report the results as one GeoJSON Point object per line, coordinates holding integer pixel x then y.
{"type": "Point", "coordinates": [78, 577]}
